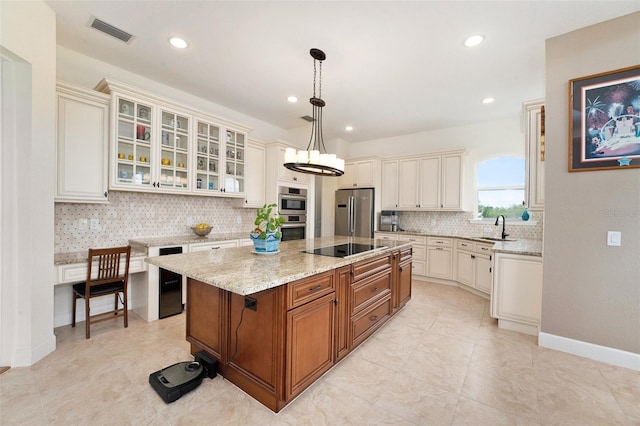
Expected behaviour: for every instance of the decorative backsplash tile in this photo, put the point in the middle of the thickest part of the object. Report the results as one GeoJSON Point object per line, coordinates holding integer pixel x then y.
{"type": "Point", "coordinates": [457, 223]}
{"type": "Point", "coordinates": [142, 215]}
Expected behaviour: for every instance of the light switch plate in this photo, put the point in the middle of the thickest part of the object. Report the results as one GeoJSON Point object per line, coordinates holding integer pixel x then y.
{"type": "Point", "coordinates": [614, 238]}
{"type": "Point", "coordinates": [94, 223]}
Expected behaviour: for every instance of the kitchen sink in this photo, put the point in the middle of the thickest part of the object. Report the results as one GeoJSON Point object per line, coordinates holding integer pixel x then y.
{"type": "Point", "coordinates": [494, 239]}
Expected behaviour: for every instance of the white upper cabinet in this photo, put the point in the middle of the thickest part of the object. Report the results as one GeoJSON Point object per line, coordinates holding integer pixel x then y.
{"type": "Point", "coordinates": [532, 126]}
{"type": "Point", "coordinates": [255, 195]}
{"type": "Point", "coordinates": [358, 174]}
{"type": "Point", "coordinates": [389, 185]}
{"type": "Point", "coordinates": [161, 146]}
{"type": "Point", "coordinates": [427, 182]}
{"type": "Point", "coordinates": [286, 175]}
{"type": "Point", "coordinates": [81, 145]}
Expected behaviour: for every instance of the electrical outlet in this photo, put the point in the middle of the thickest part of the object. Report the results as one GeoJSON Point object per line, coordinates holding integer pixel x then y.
{"type": "Point", "coordinates": [83, 224]}
{"type": "Point", "coordinates": [94, 223]}
{"type": "Point", "coordinates": [250, 303]}
{"type": "Point", "coordinates": [238, 220]}
{"type": "Point", "coordinates": [189, 221]}
{"type": "Point", "coordinates": [433, 222]}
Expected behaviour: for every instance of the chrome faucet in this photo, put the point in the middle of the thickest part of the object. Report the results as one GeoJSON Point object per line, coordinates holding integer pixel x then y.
{"type": "Point", "coordinates": [504, 232]}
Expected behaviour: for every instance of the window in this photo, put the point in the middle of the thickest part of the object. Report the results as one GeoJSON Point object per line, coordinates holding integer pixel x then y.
{"type": "Point", "coordinates": [501, 187]}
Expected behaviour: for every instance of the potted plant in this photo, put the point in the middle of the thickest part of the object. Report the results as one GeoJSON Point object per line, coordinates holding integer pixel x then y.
{"type": "Point", "coordinates": [266, 235]}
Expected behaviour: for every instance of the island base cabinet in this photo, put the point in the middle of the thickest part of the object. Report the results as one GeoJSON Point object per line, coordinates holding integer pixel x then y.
{"type": "Point", "coordinates": [290, 339]}
{"type": "Point", "coordinates": [205, 319]}
{"type": "Point", "coordinates": [310, 342]}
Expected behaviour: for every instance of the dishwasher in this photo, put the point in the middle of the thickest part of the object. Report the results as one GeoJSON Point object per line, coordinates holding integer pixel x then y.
{"type": "Point", "coordinates": [170, 287]}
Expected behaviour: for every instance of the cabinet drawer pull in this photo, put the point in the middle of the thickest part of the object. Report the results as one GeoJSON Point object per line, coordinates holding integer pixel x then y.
{"type": "Point", "coordinates": [439, 242]}
{"type": "Point", "coordinates": [473, 257]}
{"type": "Point", "coordinates": [401, 268]}
{"type": "Point", "coordinates": [438, 248]}
{"type": "Point", "coordinates": [373, 318]}
{"type": "Point", "coordinates": [373, 290]}
{"type": "Point", "coordinates": [214, 248]}
{"type": "Point", "coordinates": [318, 287]}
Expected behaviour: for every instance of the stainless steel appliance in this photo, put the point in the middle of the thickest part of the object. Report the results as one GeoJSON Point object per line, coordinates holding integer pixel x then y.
{"type": "Point", "coordinates": [389, 220]}
{"type": "Point", "coordinates": [292, 201]}
{"type": "Point", "coordinates": [354, 214]}
{"type": "Point", "coordinates": [170, 287]}
{"type": "Point", "coordinates": [294, 228]}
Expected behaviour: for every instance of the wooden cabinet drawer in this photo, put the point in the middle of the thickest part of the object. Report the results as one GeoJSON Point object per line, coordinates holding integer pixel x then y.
{"type": "Point", "coordinates": [439, 242]}
{"type": "Point", "coordinates": [366, 268]}
{"type": "Point", "coordinates": [370, 289]}
{"type": "Point", "coordinates": [364, 324]}
{"type": "Point", "coordinates": [308, 289]}
{"type": "Point", "coordinates": [405, 255]}
{"type": "Point", "coordinates": [465, 245]}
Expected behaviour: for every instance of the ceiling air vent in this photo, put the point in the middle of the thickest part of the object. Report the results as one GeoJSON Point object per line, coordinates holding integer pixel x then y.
{"type": "Point", "coordinates": [308, 118]}
{"type": "Point", "coordinates": [111, 30]}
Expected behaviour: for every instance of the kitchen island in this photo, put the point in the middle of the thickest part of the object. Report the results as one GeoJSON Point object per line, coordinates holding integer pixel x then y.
{"type": "Point", "coordinates": [276, 323]}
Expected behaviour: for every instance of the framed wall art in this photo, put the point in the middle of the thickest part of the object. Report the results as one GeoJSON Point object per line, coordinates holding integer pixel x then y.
{"type": "Point", "coordinates": [604, 116]}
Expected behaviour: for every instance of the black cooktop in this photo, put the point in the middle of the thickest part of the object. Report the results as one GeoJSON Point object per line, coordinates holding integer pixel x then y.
{"type": "Point", "coordinates": [343, 250]}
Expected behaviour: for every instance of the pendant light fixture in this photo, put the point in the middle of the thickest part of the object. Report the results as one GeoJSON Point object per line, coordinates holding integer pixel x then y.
{"type": "Point", "coordinates": [315, 159]}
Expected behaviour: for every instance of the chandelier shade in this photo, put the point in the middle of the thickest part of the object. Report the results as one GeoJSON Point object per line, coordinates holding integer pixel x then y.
{"type": "Point", "coordinates": [315, 159]}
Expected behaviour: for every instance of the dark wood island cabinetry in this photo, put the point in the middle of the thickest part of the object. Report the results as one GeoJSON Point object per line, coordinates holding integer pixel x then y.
{"type": "Point", "coordinates": [298, 330]}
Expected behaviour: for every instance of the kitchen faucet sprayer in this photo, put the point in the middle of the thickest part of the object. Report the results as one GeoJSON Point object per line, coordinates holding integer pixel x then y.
{"type": "Point", "coordinates": [504, 233]}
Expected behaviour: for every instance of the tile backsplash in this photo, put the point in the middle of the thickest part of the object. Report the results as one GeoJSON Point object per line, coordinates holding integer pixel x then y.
{"type": "Point", "coordinates": [142, 215]}
{"type": "Point", "coordinates": [457, 223]}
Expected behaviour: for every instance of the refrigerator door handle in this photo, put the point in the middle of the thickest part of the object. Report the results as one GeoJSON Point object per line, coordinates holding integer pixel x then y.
{"type": "Point", "coordinates": [352, 218]}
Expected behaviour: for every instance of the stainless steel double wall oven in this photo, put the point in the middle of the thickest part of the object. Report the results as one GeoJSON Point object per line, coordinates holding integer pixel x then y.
{"type": "Point", "coordinates": [292, 204]}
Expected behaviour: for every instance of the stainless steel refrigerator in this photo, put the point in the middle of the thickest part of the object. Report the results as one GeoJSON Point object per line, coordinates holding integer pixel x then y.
{"type": "Point", "coordinates": [354, 212]}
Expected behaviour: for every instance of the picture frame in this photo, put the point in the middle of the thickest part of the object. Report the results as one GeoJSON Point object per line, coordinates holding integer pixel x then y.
{"type": "Point", "coordinates": [604, 121]}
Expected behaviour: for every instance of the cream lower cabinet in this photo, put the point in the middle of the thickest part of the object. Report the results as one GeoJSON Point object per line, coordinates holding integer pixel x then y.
{"type": "Point", "coordinates": [82, 142]}
{"type": "Point", "coordinates": [516, 298]}
{"type": "Point", "coordinates": [473, 265]}
{"type": "Point", "coordinates": [439, 258]}
{"type": "Point", "coordinates": [419, 257]}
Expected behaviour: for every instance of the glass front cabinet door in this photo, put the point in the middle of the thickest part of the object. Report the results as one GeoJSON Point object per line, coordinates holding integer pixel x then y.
{"type": "Point", "coordinates": [207, 157]}
{"type": "Point", "coordinates": [152, 147]}
{"type": "Point", "coordinates": [234, 162]}
{"type": "Point", "coordinates": [135, 134]}
{"type": "Point", "coordinates": [174, 151]}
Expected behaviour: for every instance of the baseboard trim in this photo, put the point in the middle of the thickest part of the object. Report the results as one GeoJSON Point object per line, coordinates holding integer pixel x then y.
{"type": "Point", "coordinates": [589, 350]}
{"type": "Point", "coordinates": [28, 357]}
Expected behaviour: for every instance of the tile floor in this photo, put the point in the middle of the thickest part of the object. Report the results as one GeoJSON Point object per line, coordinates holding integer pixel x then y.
{"type": "Point", "coordinates": [440, 361]}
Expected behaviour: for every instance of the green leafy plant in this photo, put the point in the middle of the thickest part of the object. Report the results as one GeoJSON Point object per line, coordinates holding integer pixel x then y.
{"type": "Point", "coordinates": [268, 220]}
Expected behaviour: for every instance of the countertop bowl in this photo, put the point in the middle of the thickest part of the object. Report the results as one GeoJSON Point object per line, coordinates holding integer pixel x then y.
{"type": "Point", "coordinates": [202, 232]}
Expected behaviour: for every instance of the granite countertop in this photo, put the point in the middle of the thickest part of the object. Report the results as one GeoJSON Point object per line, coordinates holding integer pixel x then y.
{"type": "Point", "coordinates": [82, 256]}
{"type": "Point", "coordinates": [521, 246]}
{"type": "Point", "coordinates": [243, 272]}
{"type": "Point", "coordinates": [187, 239]}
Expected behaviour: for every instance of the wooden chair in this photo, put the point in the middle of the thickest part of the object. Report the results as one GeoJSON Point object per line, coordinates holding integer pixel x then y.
{"type": "Point", "coordinates": [105, 276]}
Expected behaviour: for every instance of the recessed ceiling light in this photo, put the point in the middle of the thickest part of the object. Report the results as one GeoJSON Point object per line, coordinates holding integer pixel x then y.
{"type": "Point", "coordinates": [292, 99]}
{"type": "Point", "coordinates": [488, 100]}
{"type": "Point", "coordinates": [349, 128]}
{"type": "Point", "coordinates": [473, 40]}
{"type": "Point", "coordinates": [178, 42]}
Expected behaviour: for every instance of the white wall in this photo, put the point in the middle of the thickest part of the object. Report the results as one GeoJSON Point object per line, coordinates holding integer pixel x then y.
{"type": "Point", "coordinates": [591, 291]}
{"type": "Point", "coordinates": [82, 70]}
{"type": "Point", "coordinates": [28, 35]}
